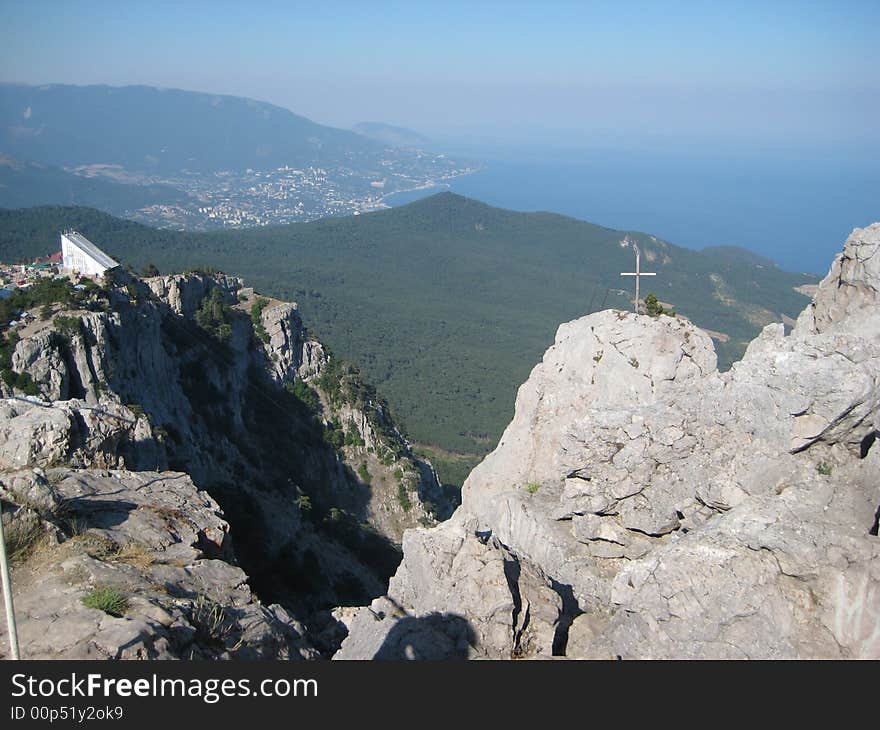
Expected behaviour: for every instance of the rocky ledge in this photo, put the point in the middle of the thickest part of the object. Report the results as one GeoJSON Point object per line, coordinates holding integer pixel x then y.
{"type": "Point", "coordinates": [132, 565]}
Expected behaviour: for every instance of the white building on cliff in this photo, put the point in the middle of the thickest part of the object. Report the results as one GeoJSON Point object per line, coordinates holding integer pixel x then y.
{"type": "Point", "coordinates": [81, 255]}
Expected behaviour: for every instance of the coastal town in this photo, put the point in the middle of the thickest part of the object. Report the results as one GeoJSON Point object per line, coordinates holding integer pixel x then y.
{"type": "Point", "coordinates": [231, 199]}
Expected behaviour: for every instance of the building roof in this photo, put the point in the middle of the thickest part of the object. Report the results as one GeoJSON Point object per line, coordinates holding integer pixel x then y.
{"type": "Point", "coordinates": [84, 244]}
{"type": "Point", "coordinates": [55, 258]}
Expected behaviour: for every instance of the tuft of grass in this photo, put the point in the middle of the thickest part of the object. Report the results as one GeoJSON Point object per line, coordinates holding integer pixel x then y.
{"type": "Point", "coordinates": [23, 536]}
{"type": "Point", "coordinates": [533, 487]}
{"type": "Point", "coordinates": [106, 599]}
{"type": "Point", "coordinates": [824, 469]}
{"type": "Point", "coordinates": [134, 554]}
{"type": "Point", "coordinates": [213, 625]}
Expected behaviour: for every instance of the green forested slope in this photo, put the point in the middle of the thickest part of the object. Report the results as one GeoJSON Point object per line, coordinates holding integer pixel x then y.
{"type": "Point", "coordinates": [446, 303]}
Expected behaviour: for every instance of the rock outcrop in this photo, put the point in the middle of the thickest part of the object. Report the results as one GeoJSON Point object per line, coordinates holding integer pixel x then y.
{"type": "Point", "coordinates": [176, 385]}
{"type": "Point", "coordinates": [642, 504]}
{"type": "Point", "coordinates": [132, 565]}
{"type": "Point", "coordinates": [404, 491]}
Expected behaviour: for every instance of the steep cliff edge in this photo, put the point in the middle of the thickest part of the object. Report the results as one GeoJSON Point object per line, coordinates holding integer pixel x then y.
{"type": "Point", "coordinates": [189, 423]}
{"type": "Point", "coordinates": [641, 504]}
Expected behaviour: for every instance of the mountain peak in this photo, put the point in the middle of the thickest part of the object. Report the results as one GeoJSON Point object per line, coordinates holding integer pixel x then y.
{"type": "Point", "coordinates": [656, 508]}
{"type": "Point", "coordinates": [447, 202]}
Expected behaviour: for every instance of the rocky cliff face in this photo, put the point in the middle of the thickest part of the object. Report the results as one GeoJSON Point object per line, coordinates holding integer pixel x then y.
{"type": "Point", "coordinates": [176, 423]}
{"type": "Point", "coordinates": [642, 504]}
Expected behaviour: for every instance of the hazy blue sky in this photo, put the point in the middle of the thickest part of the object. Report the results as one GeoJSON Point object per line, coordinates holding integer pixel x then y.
{"type": "Point", "coordinates": [553, 72]}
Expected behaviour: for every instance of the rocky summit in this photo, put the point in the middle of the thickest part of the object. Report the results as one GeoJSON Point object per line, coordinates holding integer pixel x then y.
{"type": "Point", "coordinates": [642, 504]}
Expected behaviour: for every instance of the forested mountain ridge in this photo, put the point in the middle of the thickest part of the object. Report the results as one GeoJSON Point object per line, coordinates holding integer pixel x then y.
{"type": "Point", "coordinates": [444, 303]}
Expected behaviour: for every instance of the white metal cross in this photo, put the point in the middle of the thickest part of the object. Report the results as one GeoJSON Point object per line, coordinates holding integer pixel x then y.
{"type": "Point", "coordinates": [638, 273]}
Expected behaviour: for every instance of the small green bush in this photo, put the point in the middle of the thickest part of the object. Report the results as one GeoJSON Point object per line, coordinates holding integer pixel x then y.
{"type": "Point", "coordinates": [256, 318]}
{"type": "Point", "coordinates": [67, 326]}
{"type": "Point", "coordinates": [106, 599]}
{"type": "Point", "coordinates": [213, 315]}
{"type": "Point", "coordinates": [353, 436]}
{"type": "Point", "coordinates": [306, 395]}
{"type": "Point", "coordinates": [824, 469]}
{"type": "Point", "coordinates": [330, 380]}
{"type": "Point", "coordinates": [403, 497]}
{"type": "Point", "coordinates": [26, 384]}
{"type": "Point", "coordinates": [334, 436]}
{"type": "Point", "coordinates": [386, 457]}
{"type": "Point", "coordinates": [364, 474]}
{"type": "Point", "coordinates": [533, 487]}
{"type": "Point", "coordinates": [653, 308]}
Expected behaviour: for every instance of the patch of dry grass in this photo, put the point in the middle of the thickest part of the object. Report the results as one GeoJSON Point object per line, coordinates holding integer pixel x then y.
{"type": "Point", "coordinates": [24, 537]}
{"type": "Point", "coordinates": [134, 554]}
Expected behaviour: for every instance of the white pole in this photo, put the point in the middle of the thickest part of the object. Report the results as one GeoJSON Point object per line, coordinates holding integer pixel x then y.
{"type": "Point", "coordinates": [638, 273]}
{"type": "Point", "coordinates": [7, 595]}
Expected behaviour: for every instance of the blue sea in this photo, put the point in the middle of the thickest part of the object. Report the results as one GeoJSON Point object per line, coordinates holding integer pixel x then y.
{"type": "Point", "coordinates": [794, 207]}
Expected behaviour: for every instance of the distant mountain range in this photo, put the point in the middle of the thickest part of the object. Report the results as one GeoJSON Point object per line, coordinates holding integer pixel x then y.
{"type": "Point", "coordinates": [213, 161]}
{"type": "Point", "coordinates": [445, 303]}
{"type": "Point", "coordinates": [738, 253]}
{"type": "Point", "coordinates": [150, 129]}
{"type": "Point", "coordinates": [392, 136]}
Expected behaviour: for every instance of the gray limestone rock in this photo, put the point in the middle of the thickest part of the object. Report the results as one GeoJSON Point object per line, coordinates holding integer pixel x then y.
{"type": "Point", "coordinates": [160, 544]}
{"type": "Point", "coordinates": [689, 513]}
{"type": "Point", "coordinates": [457, 595]}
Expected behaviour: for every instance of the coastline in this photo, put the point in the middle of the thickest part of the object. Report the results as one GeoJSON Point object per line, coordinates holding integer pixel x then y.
{"type": "Point", "coordinates": [432, 185]}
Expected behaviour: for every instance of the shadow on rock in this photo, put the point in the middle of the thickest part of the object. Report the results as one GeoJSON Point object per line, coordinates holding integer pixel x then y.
{"type": "Point", "coordinates": [435, 636]}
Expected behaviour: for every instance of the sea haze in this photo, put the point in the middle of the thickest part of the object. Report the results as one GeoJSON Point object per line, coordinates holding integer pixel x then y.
{"type": "Point", "coordinates": [794, 207]}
